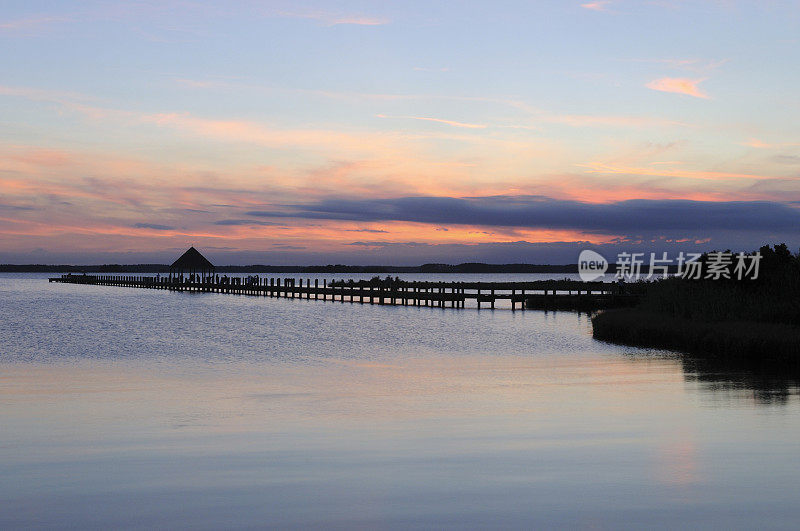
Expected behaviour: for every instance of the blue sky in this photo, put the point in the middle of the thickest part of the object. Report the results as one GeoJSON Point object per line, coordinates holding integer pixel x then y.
{"type": "Point", "coordinates": [131, 129]}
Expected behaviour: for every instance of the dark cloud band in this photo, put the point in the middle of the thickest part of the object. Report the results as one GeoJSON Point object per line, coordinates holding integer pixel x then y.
{"type": "Point", "coordinates": [543, 212]}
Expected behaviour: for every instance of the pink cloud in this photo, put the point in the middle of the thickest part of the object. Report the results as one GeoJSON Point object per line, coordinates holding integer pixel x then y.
{"type": "Point", "coordinates": [357, 20]}
{"type": "Point", "coordinates": [332, 19]}
{"type": "Point", "coordinates": [678, 85]}
{"type": "Point", "coordinates": [598, 5]}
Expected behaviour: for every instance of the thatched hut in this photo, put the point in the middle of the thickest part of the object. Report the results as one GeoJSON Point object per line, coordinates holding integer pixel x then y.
{"type": "Point", "coordinates": [191, 263]}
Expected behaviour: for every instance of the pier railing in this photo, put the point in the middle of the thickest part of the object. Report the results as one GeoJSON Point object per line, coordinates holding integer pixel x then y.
{"type": "Point", "coordinates": [566, 294]}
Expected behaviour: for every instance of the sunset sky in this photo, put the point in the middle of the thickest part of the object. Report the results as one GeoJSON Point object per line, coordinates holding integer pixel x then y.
{"type": "Point", "coordinates": [396, 132]}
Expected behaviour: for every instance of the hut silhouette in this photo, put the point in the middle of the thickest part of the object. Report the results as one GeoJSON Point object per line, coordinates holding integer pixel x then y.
{"type": "Point", "coordinates": [192, 263]}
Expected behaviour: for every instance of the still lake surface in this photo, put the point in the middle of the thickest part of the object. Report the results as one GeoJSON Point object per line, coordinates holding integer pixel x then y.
{"type": "Point", "coordinates": [131, 408]}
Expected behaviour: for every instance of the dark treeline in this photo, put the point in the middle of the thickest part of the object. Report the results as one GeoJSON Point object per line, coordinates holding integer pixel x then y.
{"type": "Point", "coordinates": [337, 268]}
{"type": "Point", "coordinates": [726, 317]}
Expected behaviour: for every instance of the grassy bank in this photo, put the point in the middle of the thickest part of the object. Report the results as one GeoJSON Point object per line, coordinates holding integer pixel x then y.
{"type": "Point", "coordinates": [718, 318]}
{"type": "Point", "coordinates": [728, 339]}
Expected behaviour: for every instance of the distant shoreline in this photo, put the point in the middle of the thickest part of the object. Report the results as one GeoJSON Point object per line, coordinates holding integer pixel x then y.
{"type": "Point", "coordinates": [333, 268]}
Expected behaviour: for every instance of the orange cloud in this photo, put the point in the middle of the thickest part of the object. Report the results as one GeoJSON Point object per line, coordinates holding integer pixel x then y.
{"type": "Point", "coordinates": [252, 132]}
{"type": "Point", "coordinates": [756, 143]}
{"type": "Point", "coordinates": [678, 85]}
{"type": "Point", "coordinates": [685, 174]}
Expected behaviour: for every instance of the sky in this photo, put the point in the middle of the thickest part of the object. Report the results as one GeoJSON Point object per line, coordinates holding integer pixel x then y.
{"type": "Point", "coordinates": [396, 132]}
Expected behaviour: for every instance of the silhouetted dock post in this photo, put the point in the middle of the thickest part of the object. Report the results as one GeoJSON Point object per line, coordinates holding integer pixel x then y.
{"type": "Point", "coordinates": [538, 294]}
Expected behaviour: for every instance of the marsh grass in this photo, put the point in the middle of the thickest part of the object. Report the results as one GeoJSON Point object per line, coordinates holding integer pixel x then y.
{"type": "Point", "coordinates": [726, 317]}
{"type": "Point", "coordinates": [632, 326]}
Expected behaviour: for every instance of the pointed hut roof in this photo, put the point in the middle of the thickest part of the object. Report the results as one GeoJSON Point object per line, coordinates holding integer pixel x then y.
{"type": "Point", "coordinates": [192, 259]}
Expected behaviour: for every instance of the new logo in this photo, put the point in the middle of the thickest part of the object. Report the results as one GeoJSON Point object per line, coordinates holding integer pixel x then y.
{"type": "Point", "coordinates": [591, 265]}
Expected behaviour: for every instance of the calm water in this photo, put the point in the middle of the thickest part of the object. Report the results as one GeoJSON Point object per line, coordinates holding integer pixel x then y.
{"type": "Point", "coordinates": [125, 408]}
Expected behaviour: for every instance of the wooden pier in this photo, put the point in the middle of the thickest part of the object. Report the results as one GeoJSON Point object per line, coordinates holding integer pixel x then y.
{"type": "Point", "coordinates": [542, 294]}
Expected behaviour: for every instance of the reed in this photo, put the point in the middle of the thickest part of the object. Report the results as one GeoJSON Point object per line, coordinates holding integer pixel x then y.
{"type": "Point", "coordinates": [726, 317]}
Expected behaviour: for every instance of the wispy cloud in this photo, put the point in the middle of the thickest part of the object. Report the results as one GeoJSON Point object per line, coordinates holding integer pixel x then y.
{"type": "Point", "coordinates": [32, 23]}
{"type": "Point", "coordinates": [678, 85]}
{"type": "Point", "coordinates": [437, 120]}
{"type": "Point", "coordinates": [756, 143]}
{"type": "Point", "coordinates": [598, 5]}
{"type": "Point", "coordinates": [15, 207]}
{"type": "Point", "coordinates": [196, 83]}
{"type": "Point", "coordinates": [153, 226]}
{"type": "Point", "coordinates": [359, 21]}
{"type": "Point", "coordinates": [691, 64]}
{"type": "Point", "coordinates": [536, 114]}
{"type": "Point", "coordinates": [36, 94]}
{"type": "Point", "coordinates": [589, 120]}
{"type": "Point", "coordinates": [234, 222]}
{"type": "Point", "coordinates": [424, 69]}
{"type": "Point", "coordinates": [666, 172]}
{"type": "Point", "coordinates": [335, 19]}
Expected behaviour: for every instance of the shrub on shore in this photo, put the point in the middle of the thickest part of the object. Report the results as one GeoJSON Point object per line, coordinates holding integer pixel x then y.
{"type": "Point", "coordinates": [724, 317]}
{"type": "Point", "coordinates": [633, 326]}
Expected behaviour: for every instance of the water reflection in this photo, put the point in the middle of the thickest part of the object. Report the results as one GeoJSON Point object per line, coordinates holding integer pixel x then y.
{"type": "Point", "coordinates": [765, 383]}
{"type": "Point", "coordinates": [755, 382]}
{"type": "Point", "coordinates": [221, 411]}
